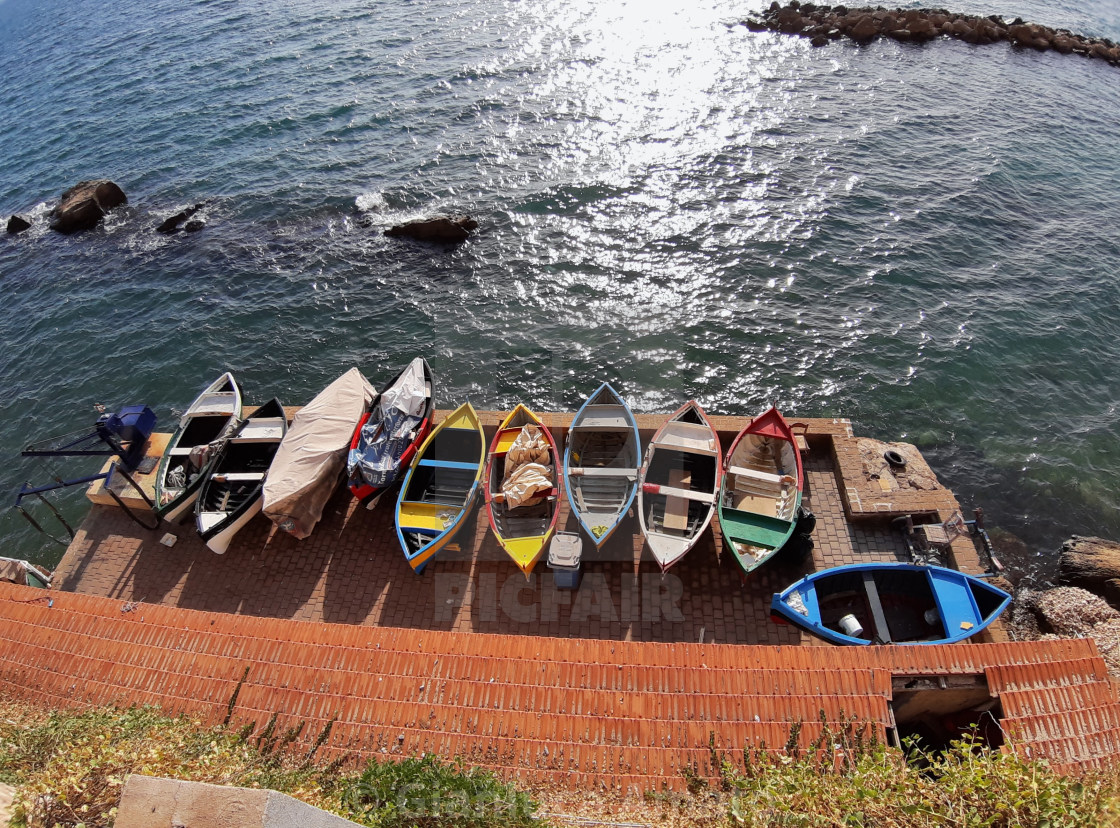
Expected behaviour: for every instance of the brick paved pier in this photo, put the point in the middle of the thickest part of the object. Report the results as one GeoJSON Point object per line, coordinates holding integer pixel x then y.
{"type": "Point", "coordinates": [619, 684]}
{"type": "Point", "coordinates": [351, 569]}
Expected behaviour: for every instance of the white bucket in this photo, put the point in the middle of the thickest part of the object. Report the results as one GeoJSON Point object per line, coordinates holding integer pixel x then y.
{"type": "Point", "coordinates": [851, 626]}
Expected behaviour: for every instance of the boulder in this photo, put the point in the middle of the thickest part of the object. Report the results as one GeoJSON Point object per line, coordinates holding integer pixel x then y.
{"type": "Point", "coordinates": [84, 205]}
{"type": "Point", "coordinates": [17, 224]}
{"type": "Point", "coordinates": [864, 29]}
{"type": "Point", "coordinates": [193, 226]}
{"type": "Point", "coordinates": [444, 229]}
{"type": "Point", "coordinates": [790, 21]}
{"type": "Point", "coordinates": [922, 29]}
{"type": "Point", "coordinates": [1093, 564]}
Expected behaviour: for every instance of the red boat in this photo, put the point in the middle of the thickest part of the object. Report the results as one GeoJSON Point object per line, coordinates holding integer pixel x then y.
{"type": "Point", "coordinates": [390, 432]}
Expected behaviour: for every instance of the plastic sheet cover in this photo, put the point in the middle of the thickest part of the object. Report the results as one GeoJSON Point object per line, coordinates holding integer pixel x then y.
{"type": "Point", "coordinates": [391, 428]}
{"type": "Point", "coordinates": [308, 465]}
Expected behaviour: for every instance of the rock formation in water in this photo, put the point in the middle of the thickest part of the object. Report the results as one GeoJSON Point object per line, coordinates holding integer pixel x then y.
{"type": "Point", "coordinates": [171, 225]}
{"type": "Point", "coordinates": [84, 205]}
{"type": "Point", "coordinates": [1093, 564]}
{"type": "Point", "coordinates": [822, 24]}
{"type": "Point", "coordinates": [17, 224]}
{"type": "Point", "coordinates": [443, 229]}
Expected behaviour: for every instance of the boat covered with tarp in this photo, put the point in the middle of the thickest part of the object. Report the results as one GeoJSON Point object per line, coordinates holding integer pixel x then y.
{"type": "Point", "coordinates": [390, 432]}
{"type": "Point", "coordinates": [24, 573]}
{"type": "Point", "coordinates": [309, 463]}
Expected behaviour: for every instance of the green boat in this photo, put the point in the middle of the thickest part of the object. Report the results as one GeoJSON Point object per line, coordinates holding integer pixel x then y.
{"type": "Point", "coordinates": [761, 490]}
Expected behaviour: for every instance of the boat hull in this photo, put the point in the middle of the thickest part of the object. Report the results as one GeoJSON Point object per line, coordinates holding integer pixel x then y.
{"type": "Point", "coordinates": [761, 491]}
{"type": "Point", "coordinates": [441, 487]}
{"type": "Point", "coordinates": [209, 420]}
{"type": "Point", "coordinates": [602, 457]}
{"type": "Point", "coordinates": [679, 482]}
{"type": "Point", "coordinates": [890, 603]}
{"type": "Point", "coordinates": [522, 531]}
{"type": "Point", "coordinates": [233, 491]}
{"type": "Point", "coordinates": [365, 491]}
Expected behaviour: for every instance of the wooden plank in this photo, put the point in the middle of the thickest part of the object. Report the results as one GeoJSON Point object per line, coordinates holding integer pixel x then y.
{"type": "Point", "coordinates": [676, 508]}
{"type": "Point", "coordinates": [882, 630]}
{"type": "Point", "coordinates": [767, 477]}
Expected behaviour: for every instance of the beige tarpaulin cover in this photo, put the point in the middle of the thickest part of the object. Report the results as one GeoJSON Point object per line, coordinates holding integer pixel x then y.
{"type": "Point", "coordinates": [309, 462]}
{"type": "Point", "coordinates": [12, 571]}
{"type": "Point", "coordinates": [528, 469]}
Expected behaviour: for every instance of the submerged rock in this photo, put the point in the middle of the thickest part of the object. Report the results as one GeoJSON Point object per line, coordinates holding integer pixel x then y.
{"type": "Point", "coordinates": [171, 225]}
{"type": "Point", "coordinates": [444, 229]}
{"type": "Point", "coordinates": [17, 224]}
{"type": "Point", "coordinates": [85, 204]}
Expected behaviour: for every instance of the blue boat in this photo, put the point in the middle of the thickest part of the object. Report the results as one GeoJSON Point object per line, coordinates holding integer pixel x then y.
{"type": "Point", "coordinates": [890, 603]}
{"type": "Point", "coordinates": [601, 460]}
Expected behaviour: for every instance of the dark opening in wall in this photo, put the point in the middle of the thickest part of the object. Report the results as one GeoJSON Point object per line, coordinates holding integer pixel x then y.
{"type": "Point", "coordinates": [939, 709]}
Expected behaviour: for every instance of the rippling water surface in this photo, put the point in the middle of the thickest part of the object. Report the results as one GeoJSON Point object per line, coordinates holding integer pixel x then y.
{"type": "Point", "coordinates": [923, 239]}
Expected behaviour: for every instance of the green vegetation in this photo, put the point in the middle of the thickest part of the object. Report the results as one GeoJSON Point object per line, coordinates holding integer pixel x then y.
{"type": "Point", "coordinates": [70, 766]}
{"type": "Point", "coordinates": [843, 778]}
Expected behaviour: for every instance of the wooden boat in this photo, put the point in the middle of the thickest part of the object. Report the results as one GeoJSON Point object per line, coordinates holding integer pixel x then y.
{"type": "Point", "coordinates": [761, 490]}
{"type": "Point", "coordinates": [390, 432]}
{"type": "Point", "coordinates": [234, 487]}
{"type": "Point", "coordinates": [24, 573]}
{"type": "Point", "coordinates": [312, 456]}
{"type": "Point", "coordinates": [521, 494]}
{"type": "Point", "coordinates": [601, 461]}
{"type": "Point", "coordinates": [208, 421]}
{"type": "Point", "coordinates": [679, 477]}
{"type": "Point", "coordinates": [441, 486]}
{"type": "Point", "coordinates": [890, 603]}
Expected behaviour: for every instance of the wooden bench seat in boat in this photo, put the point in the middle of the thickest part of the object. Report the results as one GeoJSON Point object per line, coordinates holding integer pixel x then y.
{"type": "Point", "coordinates": [219, 402]}
{"type": "Point", "coordinates": [265, 430]}
{"type": "Point", "coordinates": [448, 464]}
{"type": "Point", "coordinates": [239, 477]}
{"type": "Point", "coordinates": [602, 471]}
{"type": "Point", "coordinates": [603, 418]}
{"type": "Point", "coordinates": [691, 438]}
{"type": "Point", "coordinates": [755, 474]}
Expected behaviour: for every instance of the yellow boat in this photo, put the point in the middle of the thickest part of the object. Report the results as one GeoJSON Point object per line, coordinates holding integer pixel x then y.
{"type": "Point", "coordinates": [521, 494]}
{"type": "Point", "coordinates": [441, 486]}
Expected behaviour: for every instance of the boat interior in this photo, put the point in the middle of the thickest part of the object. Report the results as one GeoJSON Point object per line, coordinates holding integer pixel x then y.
{"type": "Point", "coordinates": [246, 463]}
{"type": "Point", "coordinates": [604, 458]}
{"type": "Point", "coordinates": [527, 521]}
{"type": "Point", "coordinates": [672, 514]}
{"type": "Point", "coordinates": [891, 606]}
{"type": "Point", "coordinates": [762, 478]}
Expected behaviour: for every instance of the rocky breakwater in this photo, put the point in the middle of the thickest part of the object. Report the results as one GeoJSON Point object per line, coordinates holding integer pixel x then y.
{"type": "Point", "coordinates": [823, 24]}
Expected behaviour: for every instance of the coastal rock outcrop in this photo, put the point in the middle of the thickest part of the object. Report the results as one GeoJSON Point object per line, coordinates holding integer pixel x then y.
{"type": "Point", "coordinates": [442, 229]}
{"type": "Point", "coordinates": [84, 205]}
{"type": "Point", "coordinates": [17, 224]}
{"type": "Point", "coordinates": [171, 225]}
{"type": "Point", "coordinates": [1093, 564]}
{"type": "Point", "coordinates": [1068, 612]}
{"type": "Point", "coordinates": [821, 24]}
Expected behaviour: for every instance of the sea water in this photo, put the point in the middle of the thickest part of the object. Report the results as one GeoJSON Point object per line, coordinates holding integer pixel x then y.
{"type": "Point", "coordinates": [924, 239]}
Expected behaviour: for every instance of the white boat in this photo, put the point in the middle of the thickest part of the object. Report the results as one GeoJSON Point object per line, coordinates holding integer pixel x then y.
{"type": "Point", "coordinates": [24, 573]}
{"type": "Point", "coordinates": [206, 423]}
{"type": "Point", "coordinates": [312, 457]}
{"type": "Point", "coordinates": [231, 495]}
{"type": "Point", "coordinates": [679, 476]}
